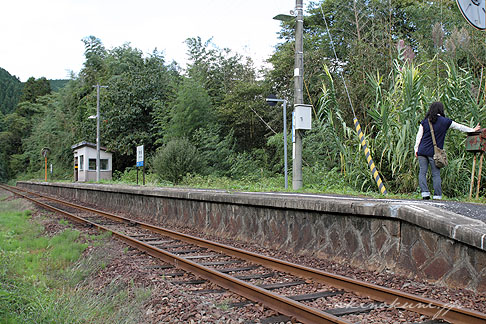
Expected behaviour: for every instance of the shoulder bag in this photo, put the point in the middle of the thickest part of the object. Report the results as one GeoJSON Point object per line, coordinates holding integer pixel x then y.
{"type": "Point", "coordinates": [440, 156]}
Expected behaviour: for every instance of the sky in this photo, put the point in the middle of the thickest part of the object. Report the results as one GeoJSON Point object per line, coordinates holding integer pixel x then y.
{"type": "Point", "coordinates": [43, 38]}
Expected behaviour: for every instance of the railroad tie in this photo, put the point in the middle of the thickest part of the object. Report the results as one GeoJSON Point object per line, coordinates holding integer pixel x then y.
{"type": "Point", "coordinates": [281, 285]}
{"type": "Point", "coordinates": [189, 282]}
{"type": "Point", "coordinates": [256, 276]}
{"type": "Point", "coordinates": [350, 310]}
{"type": "Point", "coordinates": [314, 296]}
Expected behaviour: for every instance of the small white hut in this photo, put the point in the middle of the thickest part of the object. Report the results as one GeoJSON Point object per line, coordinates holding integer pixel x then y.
{"type": "Point", "coordinates": [85, 162]}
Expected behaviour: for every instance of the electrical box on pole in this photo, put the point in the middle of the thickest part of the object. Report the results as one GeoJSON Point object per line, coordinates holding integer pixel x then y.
{"type": "Point", "coordinates": [303, 116]}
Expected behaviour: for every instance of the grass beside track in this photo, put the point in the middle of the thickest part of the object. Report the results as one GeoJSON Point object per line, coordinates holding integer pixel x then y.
{"type": "Point", "coordinates": [45, 279]}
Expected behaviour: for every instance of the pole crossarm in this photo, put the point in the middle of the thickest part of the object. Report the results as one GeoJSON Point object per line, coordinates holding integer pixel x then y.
{"type": "Point", "coordinates": [275, 100]}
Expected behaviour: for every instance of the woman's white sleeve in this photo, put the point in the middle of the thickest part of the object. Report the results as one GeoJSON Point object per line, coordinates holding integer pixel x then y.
{"type": "Point", "coordinates": [461, 127]}
{"type": "Point", "coordinates": [420, 133]}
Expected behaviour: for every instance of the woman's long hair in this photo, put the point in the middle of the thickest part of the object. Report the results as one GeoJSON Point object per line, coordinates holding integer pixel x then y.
{"type": "Point", "coordinates": [436, 108]}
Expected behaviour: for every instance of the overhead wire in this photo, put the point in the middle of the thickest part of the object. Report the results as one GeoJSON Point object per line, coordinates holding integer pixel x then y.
{"type": "Point", "coordinates": [336, 57]}
{"type": "Point", "coordinates": [371, 164]}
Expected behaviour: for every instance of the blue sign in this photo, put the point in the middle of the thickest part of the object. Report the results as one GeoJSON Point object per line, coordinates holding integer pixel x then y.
{"type": "Point", "coordinates": [140, 156]}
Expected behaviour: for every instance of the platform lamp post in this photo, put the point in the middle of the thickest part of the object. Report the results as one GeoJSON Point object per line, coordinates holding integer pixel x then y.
{"type": "Point", "coordinates": [272, 101]}
{"type": "Point", "coordinates": [97, 130]}
{"type": "Point", "coordinates": [298, 15]}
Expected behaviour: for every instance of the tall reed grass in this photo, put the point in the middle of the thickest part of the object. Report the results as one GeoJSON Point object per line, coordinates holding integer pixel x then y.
{"type": "Point", "coordinates": [390, 126]}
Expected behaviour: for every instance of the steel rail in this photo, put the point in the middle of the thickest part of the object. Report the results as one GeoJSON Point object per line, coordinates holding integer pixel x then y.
{"type": "Point", "coordinates": [279, 303]}
{"type": "Point", "coordinates": [390, 297]}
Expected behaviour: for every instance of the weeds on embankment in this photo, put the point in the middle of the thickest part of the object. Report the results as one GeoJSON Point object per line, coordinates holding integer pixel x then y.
{"type": "Point", "coordinates": [44, 279]}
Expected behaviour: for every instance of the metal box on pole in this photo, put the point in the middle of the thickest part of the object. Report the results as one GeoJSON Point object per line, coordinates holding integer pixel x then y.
{"type": "Point", "coordinates": [303, 116]}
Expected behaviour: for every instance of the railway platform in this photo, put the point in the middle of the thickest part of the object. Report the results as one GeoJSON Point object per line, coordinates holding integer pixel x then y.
{"type": "Point", "coordinates": [442, 241]}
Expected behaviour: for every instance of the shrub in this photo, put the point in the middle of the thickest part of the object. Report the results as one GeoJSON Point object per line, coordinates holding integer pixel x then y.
{"type": "Point", "coordinates": [249, 165]}
{"type": "Point", "coordinates": [129, 175]}
{"type": "Point", "coordinates": [215, 150]}
{"type": "Point", "coordinates": [176, 159]}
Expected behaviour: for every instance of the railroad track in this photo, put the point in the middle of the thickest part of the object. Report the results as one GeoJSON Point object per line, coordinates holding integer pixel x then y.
{"type": "Point", "coordinates": [297, 292]}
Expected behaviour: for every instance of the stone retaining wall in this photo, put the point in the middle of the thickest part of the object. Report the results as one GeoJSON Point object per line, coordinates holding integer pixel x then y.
{"type": "Point", "coordinates": [374, 234]}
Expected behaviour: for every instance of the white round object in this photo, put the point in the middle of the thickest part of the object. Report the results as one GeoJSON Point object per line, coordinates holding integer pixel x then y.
{"type": "Point", "coordinates": [474, 12]}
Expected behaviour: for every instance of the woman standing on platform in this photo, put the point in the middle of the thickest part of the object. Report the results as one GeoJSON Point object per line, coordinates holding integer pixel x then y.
{"type": "Point", "coordinates": [424, 146]}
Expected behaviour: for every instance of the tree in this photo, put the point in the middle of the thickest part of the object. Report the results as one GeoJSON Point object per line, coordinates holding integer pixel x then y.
{"type": "Point", "coordinates": [215, 152]}
{"type": "Point", "coordinates": [236, 96]}
{"type": "Point", "coordinates": [17, 128]}
{"type": "Point", "coordinates": [137, 88]}
{"type": "Point", "coordinates": [94, 66]}
{"type": "Point", "coordinates": [10, 91]}
{"type": "Point", "coordinates": [217, 70]}
{"type": "Point", "coordinates": [192, 110]}
{"type": "Point", "coordinates": [245, 113]}
{"type": "Point", "coordinates": [140, 88]}
{"type": "Point", "coordinates": [51, 129]}
{"type": "Point", "coordinates": [35, 88]}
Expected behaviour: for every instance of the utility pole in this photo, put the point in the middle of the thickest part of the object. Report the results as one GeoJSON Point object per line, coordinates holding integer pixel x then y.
{"type": "Point", "coordinates": [298, 92]}
{"type": "Point", "coordinates": [98, 131]}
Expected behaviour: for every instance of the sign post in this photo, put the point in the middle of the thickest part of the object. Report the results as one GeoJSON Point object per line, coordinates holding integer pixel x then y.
{"type": "Point", "coordinates": [45, 151]}
{"type": "Point", "coordinates": [140, 162]}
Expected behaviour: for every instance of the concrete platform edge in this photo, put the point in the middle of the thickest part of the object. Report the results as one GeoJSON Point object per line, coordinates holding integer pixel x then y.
{"type": "Point", "coordinates": [448, 224]}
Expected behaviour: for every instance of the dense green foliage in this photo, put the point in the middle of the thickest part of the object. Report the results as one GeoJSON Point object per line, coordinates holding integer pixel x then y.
{"type": "Point", "coordinates": [34, 89]}
{"type": "Point", "coordinates": [393, 58]}
{"type": "Point", "coordinates": [56, 85]}
{"type": "Point", "coordinates": [434, 59]}
{"type": "Point", "coordinates": [10, 92]}
{"type": "Point", "coordinates": [176, 159]}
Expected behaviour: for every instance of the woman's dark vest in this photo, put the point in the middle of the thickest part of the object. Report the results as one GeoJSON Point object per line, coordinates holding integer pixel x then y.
{"type": "Point", "coordinates": [441, 126]}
